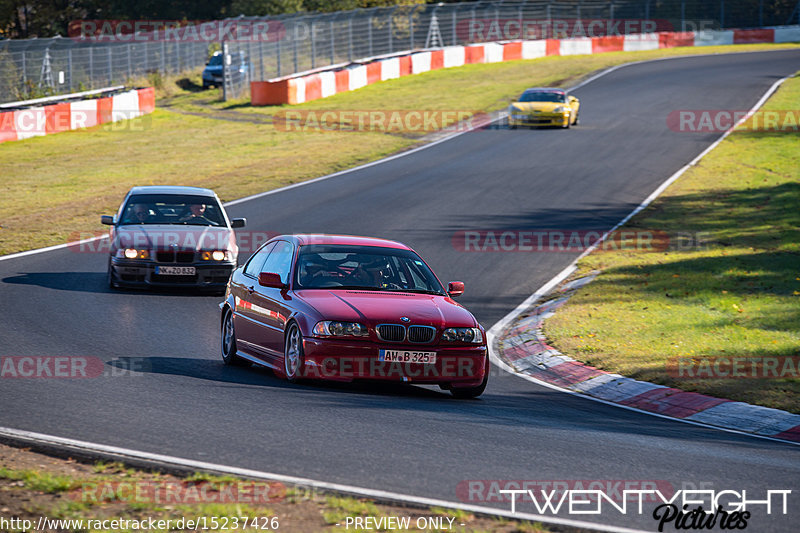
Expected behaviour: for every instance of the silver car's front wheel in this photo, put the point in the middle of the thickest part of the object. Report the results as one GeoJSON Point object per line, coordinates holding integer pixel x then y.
{"type": "Point", "coordinates": [293, 354]}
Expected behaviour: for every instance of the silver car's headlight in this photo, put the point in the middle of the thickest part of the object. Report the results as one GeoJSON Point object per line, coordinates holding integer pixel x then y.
{"type": "Point", "coordinates": [218, 255]}
{"type": "Point", "coordinates": [132, 253]}
{"type": "Point", "coordinates": [472, 335]}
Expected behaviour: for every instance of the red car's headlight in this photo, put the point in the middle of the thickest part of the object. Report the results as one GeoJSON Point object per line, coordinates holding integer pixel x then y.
{"type": "Point", "coordinates": [472, 335]}
{"type": "Point", "coordinates": [330, 328]}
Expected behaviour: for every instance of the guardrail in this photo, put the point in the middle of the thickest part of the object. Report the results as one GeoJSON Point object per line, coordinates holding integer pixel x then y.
{"type": "Point", "coordinates": [309, 86]}
{"type": "Point", "coordinates": [104, 53]}
{"type": "Point", "coordinates": [60, 98]}
{"type": "Point", "coordinates": [35, 120]}
{"type": "Point", "coordinates": [308, 42]}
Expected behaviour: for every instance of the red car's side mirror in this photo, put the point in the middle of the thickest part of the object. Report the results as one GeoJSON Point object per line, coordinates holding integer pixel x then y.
{"type": "Point", "coordinates": [455, 289]}
{"type": "Point", "coordinates": [269, 279]}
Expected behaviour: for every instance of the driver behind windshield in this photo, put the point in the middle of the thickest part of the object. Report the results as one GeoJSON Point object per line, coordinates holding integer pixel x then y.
{"type": "Point", "coordinates": [196, 213]}
{"type": "Point", "coordinates": [140, 214]}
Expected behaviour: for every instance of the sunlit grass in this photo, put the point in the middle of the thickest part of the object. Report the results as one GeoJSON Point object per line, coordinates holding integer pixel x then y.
{"type": "Point", "coordinates": [736, 295]}
{"type": "Point", "coordinates": [54, 188]}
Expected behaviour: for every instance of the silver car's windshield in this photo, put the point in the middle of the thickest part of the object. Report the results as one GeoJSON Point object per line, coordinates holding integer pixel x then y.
{"type": "Point", "coordinates": [365, 268]}
{"type": "Point", "coordinates": [182, 209]}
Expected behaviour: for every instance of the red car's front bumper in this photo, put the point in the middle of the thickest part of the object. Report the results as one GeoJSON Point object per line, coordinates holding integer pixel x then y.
{"type": "Point", "coordinates": [346, 360]}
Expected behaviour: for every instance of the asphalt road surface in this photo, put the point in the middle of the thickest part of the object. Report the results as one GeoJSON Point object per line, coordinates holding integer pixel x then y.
{"type": "Point", "coordinates": [183, 402]}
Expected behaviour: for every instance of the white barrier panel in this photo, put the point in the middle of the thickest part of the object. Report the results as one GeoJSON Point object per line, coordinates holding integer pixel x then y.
{"type": "Point", "coordinates": [492, 53]}
{"type": "Point", "coordinates": [300, 89]}
{"type": "Point", "coordinates": [327, 82]}
{"type": "Point", "coordinates": [124, 106]}
{"type": "Point", "coordinates": [82, 114]}
{"type": "Point", "coordinates": [358, 77]}
{"type": "Point", "coordinates": [713, 38]}
{"type": "Point", "coordinates": [534, 49]}
{"type": "Point", "coordinates": [420, 62]}
{"type": "Point", "coordinates": [640, 42]}
{"type": "Point", "coordinates": [454, 56]}
{"type": "Point", "coordinates": [30, 122]}
{"type": "Point", "coordinates": [571, 47]}
{"type": "Point", "coordinates": [390, 68]}
{"type": "Point", "coordinates": [787, 34]}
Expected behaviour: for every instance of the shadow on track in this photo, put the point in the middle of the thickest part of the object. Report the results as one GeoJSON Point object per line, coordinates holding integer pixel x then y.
{"type": "Point", "coordinates": [94, 282]}
{"type": "Point", "coordinates": [259, 376]}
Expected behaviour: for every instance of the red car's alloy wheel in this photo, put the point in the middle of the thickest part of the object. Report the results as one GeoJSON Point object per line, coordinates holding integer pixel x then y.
{"type": "Point", "coordinates": [293, 354]}
{"type": "Point", "coordinates": [229, 340]}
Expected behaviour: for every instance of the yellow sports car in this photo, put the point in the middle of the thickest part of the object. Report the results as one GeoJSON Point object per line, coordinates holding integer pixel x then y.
{"type": "Point", "coordinates": [543, 106]}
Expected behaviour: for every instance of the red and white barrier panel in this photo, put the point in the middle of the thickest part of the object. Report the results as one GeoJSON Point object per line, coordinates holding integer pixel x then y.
{"type": "Point", "coordinates": [307, 87]}
{"type": "Point", "coordinates": [55, 118]}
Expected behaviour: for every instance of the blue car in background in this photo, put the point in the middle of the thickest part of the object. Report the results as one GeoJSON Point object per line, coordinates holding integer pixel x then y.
{"type": "Point", "coordinates": [212, 74]}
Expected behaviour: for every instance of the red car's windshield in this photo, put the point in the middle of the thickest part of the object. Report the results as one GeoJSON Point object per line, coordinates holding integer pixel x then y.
{"type": "Point", "coordinates": [364, 267]}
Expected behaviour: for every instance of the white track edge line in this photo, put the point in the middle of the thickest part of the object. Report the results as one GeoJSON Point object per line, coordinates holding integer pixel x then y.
{"type": "Point", "coordinates": [497, 328]}
{"type": "Point", "coordinates": [600, 74]}
{"type": "Point", "coordinates": [28, 436]}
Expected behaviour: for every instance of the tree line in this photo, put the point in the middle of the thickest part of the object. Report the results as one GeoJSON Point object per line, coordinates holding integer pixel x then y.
{"type": "Point", "coordinates": [23, 19]}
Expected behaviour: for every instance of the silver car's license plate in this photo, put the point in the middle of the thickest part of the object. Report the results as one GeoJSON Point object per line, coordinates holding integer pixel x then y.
{"type": "Point", "coordinates": [407, 356]}
{"type": "Point", "coordinates": [175, 271]}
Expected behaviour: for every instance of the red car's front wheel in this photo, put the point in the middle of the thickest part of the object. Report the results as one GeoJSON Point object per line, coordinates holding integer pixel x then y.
{"type": "Point", "coordinates": [228, 335]}
{"type": "Point", "coordinates": [293, 362]}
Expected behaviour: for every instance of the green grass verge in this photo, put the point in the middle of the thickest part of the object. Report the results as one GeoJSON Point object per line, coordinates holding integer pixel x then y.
{"type": "Point", "coordinates": [54, 188]}
{"type": "Point", "coordinates": [125, 492]}
{"type": "Point", "coordinates": [39, 481]}
{"type": "Point", "coordinates": [737, 295]}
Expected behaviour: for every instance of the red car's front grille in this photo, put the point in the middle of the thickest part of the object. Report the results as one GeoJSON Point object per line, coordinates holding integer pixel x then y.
{"type": "Point", "coordinates": [421, 334]}
{"type": "Point", "coordinates": [392, 332]}
{"type": "Point", "coordinates": [398, 333]}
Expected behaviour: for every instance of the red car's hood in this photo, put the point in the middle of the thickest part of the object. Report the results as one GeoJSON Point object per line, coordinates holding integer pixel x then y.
{"type": "Point", "coordinates": [152, 236]}
{"type": "Point", "coordinates": [373, 308]}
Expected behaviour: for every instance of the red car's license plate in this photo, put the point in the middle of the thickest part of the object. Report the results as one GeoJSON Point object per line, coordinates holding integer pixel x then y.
{"type": "Point", "coordinates": [407, 356]}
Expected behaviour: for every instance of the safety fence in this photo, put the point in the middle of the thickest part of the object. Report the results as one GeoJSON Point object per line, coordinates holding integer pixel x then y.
{"type": "Point", "coordinates": [103, 53]}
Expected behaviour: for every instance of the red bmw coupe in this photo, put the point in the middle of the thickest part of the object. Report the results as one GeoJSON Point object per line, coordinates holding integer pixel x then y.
{"type": "Point", "coordinates": [346, 308]}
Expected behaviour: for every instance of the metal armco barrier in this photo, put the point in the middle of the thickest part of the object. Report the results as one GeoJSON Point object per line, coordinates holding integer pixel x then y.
{"type": "Point", "coordinates": [263, 48]}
